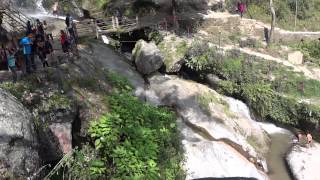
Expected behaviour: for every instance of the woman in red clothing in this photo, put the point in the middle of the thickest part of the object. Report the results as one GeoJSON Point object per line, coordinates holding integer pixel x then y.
{"type": "Point", "coordinates": [241, 8]}
{"type": "Point", "coordinates": [64, 41]}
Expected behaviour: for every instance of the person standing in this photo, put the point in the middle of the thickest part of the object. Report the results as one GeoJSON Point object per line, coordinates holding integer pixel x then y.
{"type": "Point", "coordinates": [12, 65]}
{"type": "Point", "coordinates": [41, 51]}
{"type": "Point", "coordinates": [64, 41]}
{"type": "Point", "coordinates": [40, 29]}
{"type": "Point", "coordinates": [26, 42]}
{"type": "Point", "coordinates": [309, 138]}
{"type": "Point", "coordinates": [46, 30]}
{"type": "Point", "coordinates": [55, 8]}
{"type": "Point", "coordinates": [241, 8]}
{"type": "Point", "coordinates": [29, 28]}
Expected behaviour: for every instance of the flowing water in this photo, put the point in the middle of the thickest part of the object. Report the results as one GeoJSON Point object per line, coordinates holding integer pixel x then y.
{"type": "Point", "coordinates": [280, 142]}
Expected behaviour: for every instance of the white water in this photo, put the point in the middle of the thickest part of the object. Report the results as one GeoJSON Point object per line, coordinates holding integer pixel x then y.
{"type": "Point", "coordinates": [40, 6]}
{"type": "Point", "coordinates": [42, 13]}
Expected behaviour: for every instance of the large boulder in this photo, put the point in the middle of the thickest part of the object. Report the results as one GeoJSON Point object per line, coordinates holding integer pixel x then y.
{"type": "Point", "coordinates": [219, 135]}
{"type": "Point", "coordinates": [304, 162]}
{"type": "Point", "coordinates": [19, 145]}
{"type": "Point", "coordinates": [147, 57]}
{"type": "Point", "coordinates": [174, 49]}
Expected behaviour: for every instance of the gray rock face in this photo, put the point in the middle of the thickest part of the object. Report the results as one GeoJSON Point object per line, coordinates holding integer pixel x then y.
{"type": "Point", "coordinates": [147, 57]}
{"type": "Point", "coordinates": [18, 147]}
{"type": "Point", "coordinates": [212, 80]}
{"type": "Point", "coordinates": [304, 162]}
{"type": "Point", "coordinates": [218, 134]}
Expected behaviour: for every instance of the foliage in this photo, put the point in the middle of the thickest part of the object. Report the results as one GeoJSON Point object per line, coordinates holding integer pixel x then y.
{"type": "Point", "coordinates": [16, 89]}
{"type": "Point", "coordinates": [308, 12]}
{"type": "Point", "coordinates": [156, 37]}
{"type": "Point", "coordinates": [270, 89]}
{"type": "Point", "coordinates": [310, 50]}
{"type": "Point", "coordinates": [54, 102]}
{"type": "Point", "coordinates": [79, 164]}
{"type": "Point", "coordinates": [199, 56]}
{"type": "Point", "coordinates": [135, 145]}
{"type": "Point", "coordinates": [205, 99]}
{"type": "Point", "coordinates": [133, 141]}
{"type": "Point", "coordinates": [119, 83]}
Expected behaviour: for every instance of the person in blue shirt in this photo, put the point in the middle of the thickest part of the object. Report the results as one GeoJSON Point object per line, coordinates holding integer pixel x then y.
{"type": "Point", "coordinates": [11, 60]}
{"type": "Point", "coordinates": [26, 43]}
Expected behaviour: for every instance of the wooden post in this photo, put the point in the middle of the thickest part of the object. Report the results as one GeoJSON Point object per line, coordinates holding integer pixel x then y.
{"type": "Point", "coordinates": [137, 21]}
{"type": "Point", "coordinates": [165, 24]}
{"type": "Point", "coordinates": [113, 23]}
{"type": "Point", "coordinates": [95, 28]}
{"type": "Point", "coordinates": [117, 22]}
{"type": "Point", "coordinates": [295, 17]}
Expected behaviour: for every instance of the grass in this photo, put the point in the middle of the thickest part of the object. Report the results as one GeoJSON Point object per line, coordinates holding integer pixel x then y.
{"type": "Point", "coordinates": [308, 14]}
{"type": "Point", "coordinates": [207, 98]}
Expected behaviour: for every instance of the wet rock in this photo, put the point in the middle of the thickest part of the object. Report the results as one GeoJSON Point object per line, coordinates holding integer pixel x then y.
{"type": "Point", "coordinates": [219, 134]}
{"type": "Point", "coordinates": [19, 145]}
{"type": "Point", "coordinates": [63, 132]}
{"type": "Point", "coordinates": [304, 162]}
{"type": "Point", "coordinates": [147, 57]}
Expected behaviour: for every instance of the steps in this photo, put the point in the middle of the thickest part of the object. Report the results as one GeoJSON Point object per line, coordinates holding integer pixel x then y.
{"type": "Point", "coordinates": [13, 19]}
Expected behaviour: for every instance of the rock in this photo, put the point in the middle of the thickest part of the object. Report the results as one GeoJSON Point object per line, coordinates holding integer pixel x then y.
{"type": "Point", "coordinates": [219, 135]}
{"type": "Point", "coordinates": [214, 159]}
{"type": "Point", "coordinates": [19, 145]}
{"type": "Point", "coordinates": [304, 162]}
{"type": "Point", "coordinates": [248, 42]}
{"type": "Point", "coordinates": [295, 57]}
{"type": "Point", "coordinates": [63, 132]}
{"type": "Point", "coordinates": [147, 57]}
{"type": "Point", "coordinates": [213, 80]}
{"type": "Point", "coordinates": [174, 49]}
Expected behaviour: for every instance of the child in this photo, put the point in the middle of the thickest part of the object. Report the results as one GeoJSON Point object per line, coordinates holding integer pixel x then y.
{"type": "Point", "coordinates": [47, 32]}
{"type": "Point", "coordinates": [64, 41]}
{"type": "Point", "coordinates": [41, 50]}
{"type": "Point", "coordinates": [48, 47]}
{"type": "Point", "coordinates": [12, 65]}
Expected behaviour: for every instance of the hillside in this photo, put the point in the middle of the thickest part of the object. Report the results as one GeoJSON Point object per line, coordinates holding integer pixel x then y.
{"type": "Point", "coordinates": [182, 89]}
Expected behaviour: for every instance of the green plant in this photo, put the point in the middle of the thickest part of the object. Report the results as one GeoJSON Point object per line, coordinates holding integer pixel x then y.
{"type": "Point", "coordinates": [16, 89]}
{"type": "Point", "coordinates": [133, 140]}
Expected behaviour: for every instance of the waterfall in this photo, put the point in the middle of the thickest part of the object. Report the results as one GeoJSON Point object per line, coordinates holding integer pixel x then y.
{"type": "Point", "coordinates": [40, 6]}
{"type": "Point", "coordinates": [238, 107]}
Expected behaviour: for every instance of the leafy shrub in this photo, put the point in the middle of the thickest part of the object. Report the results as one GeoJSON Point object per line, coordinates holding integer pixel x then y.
{"type": "Point", "coordinates": [16, 89]}
{"type": "Point", "coordinates": [311, 51]}
{"type": "Point", "coordinates": [137, 140]}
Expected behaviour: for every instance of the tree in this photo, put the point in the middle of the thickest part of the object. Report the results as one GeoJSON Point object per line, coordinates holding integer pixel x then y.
{"type": "Point", "coordinates": [273, 22]}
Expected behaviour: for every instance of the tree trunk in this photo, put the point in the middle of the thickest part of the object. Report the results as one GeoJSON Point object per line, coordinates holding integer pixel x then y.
{"type": "Point", "coordinates": [273, 22]}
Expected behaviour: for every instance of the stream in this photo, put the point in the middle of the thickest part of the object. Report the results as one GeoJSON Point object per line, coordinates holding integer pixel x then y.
{"type": "Point", "coordinates": [280, 143]}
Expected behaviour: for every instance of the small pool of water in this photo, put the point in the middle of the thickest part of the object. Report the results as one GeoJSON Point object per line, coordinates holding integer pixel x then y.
{"type": "Point", "coordinates": [280, 144]}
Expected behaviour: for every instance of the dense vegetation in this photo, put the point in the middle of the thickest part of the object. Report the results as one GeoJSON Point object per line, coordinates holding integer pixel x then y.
{"type": "Point", "coordinates": [133, 141]}
{"type": "Point", "coordinates": [310, 50]}
{"type": "Point", "coordinates": [271, 90]}
{"type": "Point", "coordinates": [308, 12]}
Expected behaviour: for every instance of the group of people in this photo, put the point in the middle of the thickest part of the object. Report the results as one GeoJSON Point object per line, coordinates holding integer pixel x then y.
{"type": "Point", "coordinates": [37, 43]}
{"type": "Point", "coordinates": [23, 52]}
{"type": "Point", "coordinates": [301, 138]}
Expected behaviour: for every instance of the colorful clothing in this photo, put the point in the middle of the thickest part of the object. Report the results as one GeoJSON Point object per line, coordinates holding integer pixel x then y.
{"type": "Point", "coordinates": [26, 43]}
